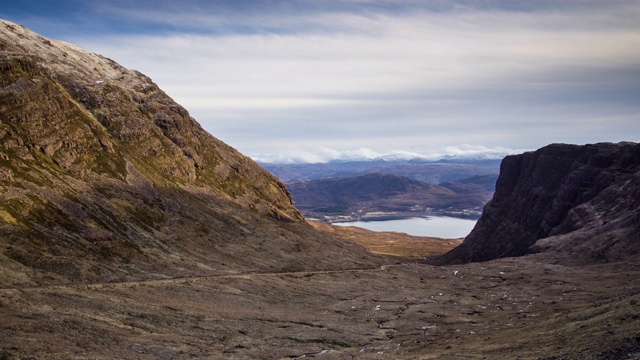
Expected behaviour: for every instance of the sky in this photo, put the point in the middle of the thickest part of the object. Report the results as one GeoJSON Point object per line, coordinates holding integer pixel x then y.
{"type": "Point", "coordinates": [311, 81]}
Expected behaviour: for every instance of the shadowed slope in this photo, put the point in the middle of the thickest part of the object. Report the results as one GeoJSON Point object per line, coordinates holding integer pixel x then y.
{"type": "Point", "coordinates": [574, 199]}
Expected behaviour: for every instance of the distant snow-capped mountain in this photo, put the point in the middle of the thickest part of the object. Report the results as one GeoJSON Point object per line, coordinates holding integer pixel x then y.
{"type": "Point", "coordinates": [448, 154]}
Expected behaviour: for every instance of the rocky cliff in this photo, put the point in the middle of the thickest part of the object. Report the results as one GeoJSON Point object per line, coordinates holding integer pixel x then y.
{"type": "Point", "coordinates": [104, 177]}
{"type": "Point", "coordinates": [579, 201]}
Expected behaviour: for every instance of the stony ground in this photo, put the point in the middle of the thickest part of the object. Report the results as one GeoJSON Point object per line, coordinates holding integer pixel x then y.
{"type": "Point", "coordinates": [527, 308]}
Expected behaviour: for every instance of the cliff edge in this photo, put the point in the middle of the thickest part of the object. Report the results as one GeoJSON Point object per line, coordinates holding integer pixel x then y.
{"type": "Point", "coordinates": [579, 202]}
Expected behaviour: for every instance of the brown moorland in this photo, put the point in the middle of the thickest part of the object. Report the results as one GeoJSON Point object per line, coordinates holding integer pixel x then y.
{"type": "Point", "coordinates": [403, 246]}
{"type": "Point", "coordinates": [525, 308]}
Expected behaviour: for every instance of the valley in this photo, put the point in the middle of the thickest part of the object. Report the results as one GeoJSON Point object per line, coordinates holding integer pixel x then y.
{"type": "Point", "coordinates": [408, 311]}
{"type": "Point", "coordinates": [129, 232]}
{"type": "Point", "coordinates": [380, 196]}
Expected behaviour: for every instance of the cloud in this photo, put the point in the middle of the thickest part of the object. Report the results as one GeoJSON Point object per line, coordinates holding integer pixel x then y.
{"type": "Point", "coordinates": [270, 77]}
{"type": "Point", "coordinates": [324, 155]}
{"type": "Point", "coordinates": [320, 155]}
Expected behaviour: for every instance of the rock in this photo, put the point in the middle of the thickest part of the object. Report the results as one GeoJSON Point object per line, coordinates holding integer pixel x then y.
{"type": "Point", "coordinates": [561, 197]}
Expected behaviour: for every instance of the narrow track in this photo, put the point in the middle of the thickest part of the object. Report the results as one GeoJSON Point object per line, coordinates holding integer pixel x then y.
{"type": "Point", "coordinates": [190, 279]}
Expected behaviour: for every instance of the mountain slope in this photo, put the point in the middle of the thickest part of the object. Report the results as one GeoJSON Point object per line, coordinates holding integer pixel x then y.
{"type": "Point", "coordinates": [104, 177]}
{"type": "Point", "coordinates": [580, 203]}
{"type": "Point", "coordinates": [153, 130]}
{"type": "Point", "coordinates": [382, 192]}
{"type": "Point", "coordinates": [426, 171]}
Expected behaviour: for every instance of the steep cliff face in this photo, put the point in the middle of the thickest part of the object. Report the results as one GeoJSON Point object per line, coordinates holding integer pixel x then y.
{"type": "Point", "coordinates": [103, 176]}
{"type": "Point", "coordinates": [578, 200]}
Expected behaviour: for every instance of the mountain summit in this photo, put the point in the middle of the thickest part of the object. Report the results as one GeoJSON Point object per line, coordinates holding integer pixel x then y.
{"type": "Point", "coordinates": [104, 177]}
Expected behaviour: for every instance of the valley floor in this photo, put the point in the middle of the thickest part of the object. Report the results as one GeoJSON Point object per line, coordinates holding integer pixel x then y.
{"type": "Point", "coordinates": [511, 308]}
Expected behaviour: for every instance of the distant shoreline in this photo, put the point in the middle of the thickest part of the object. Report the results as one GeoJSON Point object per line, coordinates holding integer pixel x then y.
{"type": "Point", "coordinates": [392, 216]}
{"type": "Point", "coordinates": [444, 227]}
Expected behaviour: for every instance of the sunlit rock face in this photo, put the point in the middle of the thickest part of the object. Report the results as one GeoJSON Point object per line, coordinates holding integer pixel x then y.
{"type": "Point", "coordinates": [584, 200]}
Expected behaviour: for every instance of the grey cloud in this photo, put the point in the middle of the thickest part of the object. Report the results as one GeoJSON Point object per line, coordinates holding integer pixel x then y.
{"type": "Point", "coordinates": [495, 73]}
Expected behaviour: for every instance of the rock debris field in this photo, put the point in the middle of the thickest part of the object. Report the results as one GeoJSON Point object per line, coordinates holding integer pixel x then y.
{"type": "Point", "coordinates": [511, 308]}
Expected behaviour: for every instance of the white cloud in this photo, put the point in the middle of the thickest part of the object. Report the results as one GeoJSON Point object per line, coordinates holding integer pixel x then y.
{"type": "Point", "coordinates": [324, 155]}
{"type": "Point", "coordinates": [387, 80]}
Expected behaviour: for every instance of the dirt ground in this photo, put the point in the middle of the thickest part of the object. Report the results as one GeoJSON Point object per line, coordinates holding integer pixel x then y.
{"type": "Point", "coordinates": [516, 308]}
{"type": "Point", "coordinates": [395, 244]}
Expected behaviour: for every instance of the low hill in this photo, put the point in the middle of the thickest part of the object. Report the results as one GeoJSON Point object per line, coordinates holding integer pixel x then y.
{"type": "Point", "coordinates": [431, 172]}
{"type": "Point", "coordinates": [384, 192]}
{"type": "Point", "coordinates": [579, 203]}
{"type": "Point", "coordinates": [474, 184]}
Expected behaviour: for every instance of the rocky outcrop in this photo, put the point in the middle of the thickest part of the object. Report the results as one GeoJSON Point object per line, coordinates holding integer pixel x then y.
{"type": "Point", "coordinates": [578, 200]}
{"type": "Point", "coordinates": [104, 177]}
